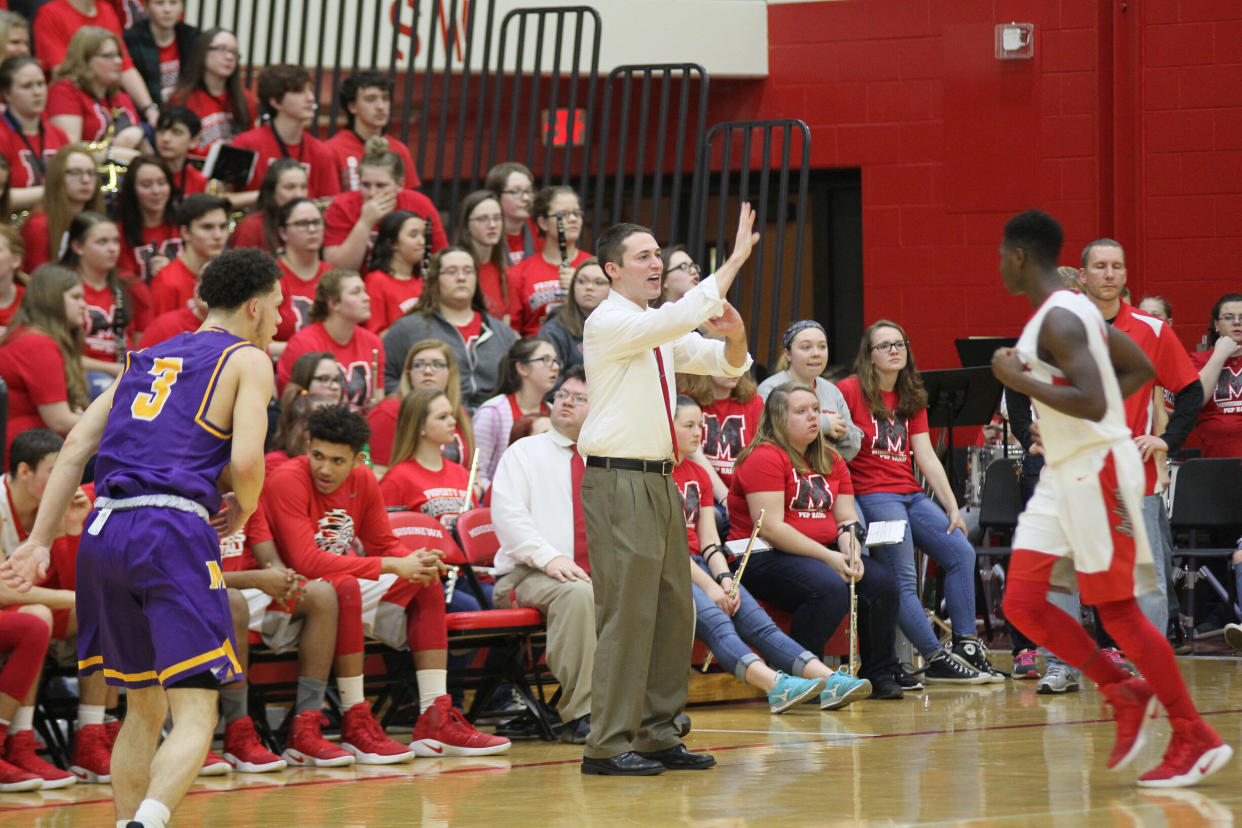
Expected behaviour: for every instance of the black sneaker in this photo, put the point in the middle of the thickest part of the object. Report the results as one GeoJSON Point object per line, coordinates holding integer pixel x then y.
{"type": "Point", "coordinates": [970, 651]}
{"type": "Point", "coordinates": [904, 680]}
{"type": "Point", "coordinates": [944, 669]}
{"type": "Point", "coordinates": [886, 689]}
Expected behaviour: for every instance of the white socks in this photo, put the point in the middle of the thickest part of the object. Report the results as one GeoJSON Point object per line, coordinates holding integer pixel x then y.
{"type": "Point", "coordinates": [153, 814]}
{"type": "Point", "coordinates": [23, 719]}
{"type": "Point", "coordinates": [431, 686]}
{"type": "Point", "coordinates": [351, 691]}
{"type": "Point", "coordinates": [90, 714]}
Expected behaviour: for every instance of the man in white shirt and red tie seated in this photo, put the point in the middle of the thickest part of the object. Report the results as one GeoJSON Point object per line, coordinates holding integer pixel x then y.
{"type": "Point", "coordinates": [542, 562]}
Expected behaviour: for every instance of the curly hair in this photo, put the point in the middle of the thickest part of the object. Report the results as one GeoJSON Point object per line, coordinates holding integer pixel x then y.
{"type": "Point", "coordinates": [355, 83]}
{"type": "Point", "coordinates": [338, 425]}
{"type": "Point", "coordinates": [237, 276]}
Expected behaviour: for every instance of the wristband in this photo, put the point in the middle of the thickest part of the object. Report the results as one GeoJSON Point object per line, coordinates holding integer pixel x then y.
{"type": "Point", "coordinates": [720, 576]}
{"type": "Point", "coordinates": [710, 550]}
{"type": "Point", "coordinates": [854, 528]}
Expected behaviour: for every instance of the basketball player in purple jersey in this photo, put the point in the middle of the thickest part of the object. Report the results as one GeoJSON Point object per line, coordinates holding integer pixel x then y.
{"type": "Point", "coordinates": [152, 606]}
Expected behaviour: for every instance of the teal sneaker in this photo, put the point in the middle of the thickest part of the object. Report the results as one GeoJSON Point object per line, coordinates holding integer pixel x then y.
{"type": "Point", "coordinates": [841, 689]}
{"type": "Point", "coordinates": [789, 691]}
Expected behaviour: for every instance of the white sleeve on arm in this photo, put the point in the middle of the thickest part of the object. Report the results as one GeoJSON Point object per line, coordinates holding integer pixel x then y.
{"type": "Point", "coordinates": [511, 515]}
{"type": "Point", "coordinates": [626, 334]}
{"type": "Point", "coordinates": [695, 354]}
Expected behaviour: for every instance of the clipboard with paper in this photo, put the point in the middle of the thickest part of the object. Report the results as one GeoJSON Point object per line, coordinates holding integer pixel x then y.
{"type": "Point", "coordinates": [885, 532]}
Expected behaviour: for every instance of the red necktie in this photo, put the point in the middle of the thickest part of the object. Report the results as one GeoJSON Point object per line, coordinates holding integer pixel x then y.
{"type": "Point", "coordinates": [668, 406]}
{"type": "Point", "coordinates": [576, 468]}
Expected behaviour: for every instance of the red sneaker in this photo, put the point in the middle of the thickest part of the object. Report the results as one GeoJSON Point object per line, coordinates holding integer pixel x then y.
{"type": "Point", "coordinates": [1134, 708]}
{"type": "Point", "coordinates": [19, 751]}
{"type": "Point", "coordinates": [362, 736]}
{"type": "Point", "coordinates": [92, 754]}
{"type": "Point", "coordinates": [112, 728]}
{"type": "Point", "coordinates": [214, 765]}
{"type": "Point", "coordinates": [1195, 751]}
{"type": "Point", "coordinates": [306, 747]}
{"type": "Point", "coordinates": [443, 731]}
{"type": "Point", "coordinates": [14, 780]}
{"type": "Point", "coordinates": [245, 752]}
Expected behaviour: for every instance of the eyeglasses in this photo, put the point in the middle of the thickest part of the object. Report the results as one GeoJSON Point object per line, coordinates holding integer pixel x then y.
{"type": "Point", "coordinates": [564, 215]}
{"type": "Point", "coordinates": [689, 267]}
{"type": "Point", "coordinates": [894, 347]}
{"type": "Point", "coordinates": [423, 365]}
{"type": "Point", "coordinates": [1229, 318]}
{"type": "Point", "coordinates": [495, 219]}
{"type": "Point", "coordinates": [548, 361]}
{"type": "Point", "coordinates": [80, 172]}
{"type": "Point", "coordinates": [225, 50]}
{"type": "Point", "coordinates": [327, 379]}
{"type": "Point", "coordinates": [108, 55]}
{"type": "Point", "coordinates": [519, 193]}
{"type": "Point", "coordinates": [577, 399]}
{"type": "Point", "coordinates": [306, 224]}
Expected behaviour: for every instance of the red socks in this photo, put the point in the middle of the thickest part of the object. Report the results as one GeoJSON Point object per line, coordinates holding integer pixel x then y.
{"type": "Point", "coordinates": [1151, 654]}
{"type": "Point", "coordinates": [24, 637]}
{"type": "Point", "coordinates": [349, 639]}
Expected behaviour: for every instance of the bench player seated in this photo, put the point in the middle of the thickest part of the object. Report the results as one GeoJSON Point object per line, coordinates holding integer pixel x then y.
{"type": "Point", "coordinates": [287, 611]}
{"type": "Point", "coordinates": [320, 507]}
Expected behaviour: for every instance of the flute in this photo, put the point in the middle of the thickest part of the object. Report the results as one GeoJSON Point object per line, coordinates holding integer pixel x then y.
{"type": "Point", "coordinates": [563, 291]}
{"type": "Point", "coordinates": [737, 579]}
{"type": "Point", "coordinates": [377, 382]}
{"type": "Point", "coordinates": [853, 610]}
{"type": "Point", "coordinates": [450, 582]}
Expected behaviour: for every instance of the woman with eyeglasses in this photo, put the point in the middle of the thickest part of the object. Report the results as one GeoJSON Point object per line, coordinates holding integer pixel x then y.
{"type": "Point", "coordinates": [318, 373]}
{"type": "Point", "coordinates": [479, 225]}
{"type": "Point", "coordinates": [513, 184]}
{"type": "Point", "coordinates": [527, 373]}
{"type": "Point", "coordinates": [539, 284]}
{"type": "Point", "coordinates": [429, 364]}
{"type": "Point", "coordinates": [680, 274]}
{"type": "Point", "coordinates": [72, 186]}
{"type": "Point", "coordinates": [804, 359]}
{"type": "Point", "coordinates": [87, 103]}
{"type": "Point", "coordinates": [150, 236]}
{"type": "Point", "coordinates": [210, 86]}
{"type": "Point", "coordinates": [1220, 366]}
{"type": "Point", "coordinates": [300, 229]}
{"type": "Point", "coordinates": [563, 327]}
{"type": "Point", "coordinates": [283, 181]}
{"type": "Point", "coordinates": [887, 401]}
{"type": "Point", "coordinates": [28, 139]}
{"type": "Point", "coordinates": [452, 309]}
{"type": "Point", "coordinates": [396, 281]}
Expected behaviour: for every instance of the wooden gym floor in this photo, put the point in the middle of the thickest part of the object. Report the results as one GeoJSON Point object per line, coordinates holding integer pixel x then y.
{"type": "Point", "coordinates": [992, 755]}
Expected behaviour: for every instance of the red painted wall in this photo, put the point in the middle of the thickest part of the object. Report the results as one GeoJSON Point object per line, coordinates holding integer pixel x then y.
{"type": "Point", "coordinates": [1127, 123]}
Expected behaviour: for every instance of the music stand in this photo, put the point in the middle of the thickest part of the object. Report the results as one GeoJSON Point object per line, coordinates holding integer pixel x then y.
{"type": "Point", "coordinates": [960, 397]}
{"type": "Point", "coordinates": [974, 351]}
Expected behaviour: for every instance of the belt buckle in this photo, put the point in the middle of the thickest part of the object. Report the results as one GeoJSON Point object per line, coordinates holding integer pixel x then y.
{"type": "Point", "coordinates": [666, 467]}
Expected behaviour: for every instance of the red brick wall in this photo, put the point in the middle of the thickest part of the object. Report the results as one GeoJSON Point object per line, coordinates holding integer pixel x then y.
{"type": "Point", "coordinates": [1126, 123]}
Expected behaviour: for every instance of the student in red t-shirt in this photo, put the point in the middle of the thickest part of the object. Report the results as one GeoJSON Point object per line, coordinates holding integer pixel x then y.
{"type": "Point", "coordinates": [318, 374]}
{"type": "Point", "coordinates": [284, 181]}
{"type": "Point", "coordinates": [514, 185]}
{"type": "Point", "coordinates": [56, 24]}
{"type": "Point", "coordinates": [336, 326]}
{"type": "Point", "coordinates": [179, 321]}
{"type": "Point", "coordinates": [11, 290]}
{"type": "Point", "coordinates": [1220, 370]}
{"type": "Point", "coordinates": [887, 401]}
{"type": "Point", "coordinates": [420, 478]}
{"type": "Point", "coordinates": [210, 86]}
{"type": "Point", "coordinates": [540, 283]}
{"type": "Point", "coordinates": [41, 354]}
{"type": "Point", "coordinates": [160, 44]}
{"type": "Point", "coordinates": [432, 364]}
{"type": "Point", "coordinates": [72, 185]}
{"type": "Point", "coordinates": [176, 132]}
{"type": "Point", "coordinates": [478, 228]}
{"type": "Point", "coordinates": [729, 626]}
{"type": "Point", "coordinates": [398, 262]}
{"type": "Point", "coordinates": [352, 216]}
{"type": "Point", "coordinates": [731, 408]}
{"type": "Point", "coordinates": [87, 102]}
{"type": "Point", "coordinates": [116, 302]}
{"type": "Point", "coordinates": [300, 227]}
{"type": "Point", "coordinates": [792, 474]}
{"type": "Point", "coordinates": [203, 221]}
{"type": "Point", "coordinates": [288, 97]}
{"type": "Point", "coordinates": [366, 100]}
{"type": "Point", "coordinates": [14, 35]}
{"type": "Point", "coordinates": [28, 140]}
{"type": "Point", "coordinates": [150, 237]}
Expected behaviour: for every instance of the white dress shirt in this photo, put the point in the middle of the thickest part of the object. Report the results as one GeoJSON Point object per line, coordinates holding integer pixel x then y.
{"type": "Point", "coordinates": [627, 407]}
{"type": "Point", "coordinates": [532, 502]}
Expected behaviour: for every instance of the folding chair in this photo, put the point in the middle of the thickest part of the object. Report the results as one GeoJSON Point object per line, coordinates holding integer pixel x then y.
{"type": "Point", "coordinates": [1207, 501]}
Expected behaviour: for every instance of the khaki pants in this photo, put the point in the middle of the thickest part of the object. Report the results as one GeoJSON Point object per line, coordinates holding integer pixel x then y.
{"type": "Point", "coordinates": [644, 611]}
{"type": "Point", "coordinates": [569, 610]}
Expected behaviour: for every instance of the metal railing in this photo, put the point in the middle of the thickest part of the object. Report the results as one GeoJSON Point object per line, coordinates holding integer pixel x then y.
{"type": "Point", "coordinates": [643, 160]}
{"type": "Point", "coordinates": [740, 176]}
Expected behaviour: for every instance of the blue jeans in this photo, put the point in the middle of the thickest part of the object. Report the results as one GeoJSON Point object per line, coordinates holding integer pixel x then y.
{"type": "Point", "coordinates": [926, 525]}
{"type": "Point", "coordinates": [819, 599]}
{"type": "Point", "coordinates": [731, 637]}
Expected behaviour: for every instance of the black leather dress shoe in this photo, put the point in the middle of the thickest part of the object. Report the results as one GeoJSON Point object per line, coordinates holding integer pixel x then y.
{"type": "Point", "coordinates": [623, 764]}
{"type": "Point", "coordinates": [679, 758]}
